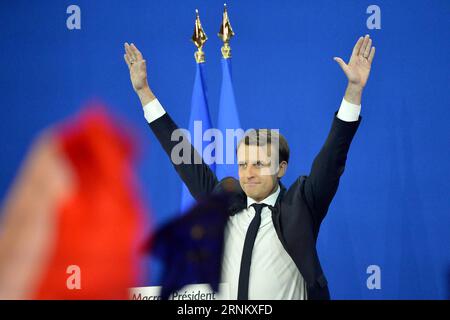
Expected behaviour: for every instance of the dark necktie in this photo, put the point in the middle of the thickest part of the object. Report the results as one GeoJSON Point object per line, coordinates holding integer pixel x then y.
{"type": "Point", "coordinates": [247, 252]}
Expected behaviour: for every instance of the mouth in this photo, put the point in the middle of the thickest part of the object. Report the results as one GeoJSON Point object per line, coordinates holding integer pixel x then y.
{"type": "Point", "coordinates": [251, 184]}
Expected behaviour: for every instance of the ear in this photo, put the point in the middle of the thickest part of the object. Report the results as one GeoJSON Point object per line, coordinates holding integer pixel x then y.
{"type": "Point", "coordinates": [282, 169]}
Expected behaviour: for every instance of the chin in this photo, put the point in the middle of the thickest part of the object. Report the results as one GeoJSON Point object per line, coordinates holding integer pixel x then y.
{"type": "Point", "coordinates": [255, 196]}
{"type": "Point", "coordinates": [251, 193]}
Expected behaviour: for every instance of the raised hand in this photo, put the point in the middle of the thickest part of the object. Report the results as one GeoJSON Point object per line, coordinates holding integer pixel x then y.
{"type": "Point", "coordinates": [136, 65]}
{"type": "Point", "coordinates": [138, 73]}
{"type": "Point", "coordinates": [358, 68]}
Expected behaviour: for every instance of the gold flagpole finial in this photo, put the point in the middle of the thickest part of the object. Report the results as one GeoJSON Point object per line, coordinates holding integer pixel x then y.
{"type": "Point", "coordinates": [225, 33]}
{"type": "Point", "coordinates": [199, 38]}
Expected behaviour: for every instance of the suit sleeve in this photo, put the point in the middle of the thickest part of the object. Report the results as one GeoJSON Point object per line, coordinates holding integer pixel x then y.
{"type": "Point", "coordinates": [328, 166]}
{"type": "Point", "coordinates": [198, 177]}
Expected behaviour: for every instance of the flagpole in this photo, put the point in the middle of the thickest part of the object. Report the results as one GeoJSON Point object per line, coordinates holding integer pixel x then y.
{"type": "Point", "coordinates": [199, 38]}
{"type": "Point", "coordinates": [226, 33]}
{"type": "Point", "coordinates": [228, 115]}
{"type": "Point", "coordinates": [199, 106]}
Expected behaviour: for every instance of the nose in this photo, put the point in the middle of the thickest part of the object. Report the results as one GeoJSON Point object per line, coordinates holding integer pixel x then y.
{"type": "Point", "coordinates": [249, 172]}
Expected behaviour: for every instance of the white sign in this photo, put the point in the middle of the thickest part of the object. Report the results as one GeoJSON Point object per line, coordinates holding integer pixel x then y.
{"type": "Point", "coordinates": [189, 292]}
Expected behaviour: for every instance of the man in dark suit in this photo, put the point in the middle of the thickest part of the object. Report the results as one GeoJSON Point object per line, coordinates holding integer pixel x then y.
{"type": "Point", "coordinates": [270, 239]}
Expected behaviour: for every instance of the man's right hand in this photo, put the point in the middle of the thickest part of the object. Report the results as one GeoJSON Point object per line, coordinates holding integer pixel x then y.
{"type": "Point", "coordinates": [138, 73]}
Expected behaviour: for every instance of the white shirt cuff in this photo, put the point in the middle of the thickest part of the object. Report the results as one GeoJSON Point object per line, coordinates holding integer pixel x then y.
{"type": "Point", "coordinates": [153, 110]}
{"type": "Point", "coordinates": [349, 112]}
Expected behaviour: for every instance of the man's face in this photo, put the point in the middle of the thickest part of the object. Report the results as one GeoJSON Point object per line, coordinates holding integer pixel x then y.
{"type": "Point", "coordinates": [258, 173]}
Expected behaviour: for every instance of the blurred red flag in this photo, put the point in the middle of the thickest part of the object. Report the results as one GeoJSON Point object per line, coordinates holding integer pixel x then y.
{"type": "Point", "coordinates": [84, 243]}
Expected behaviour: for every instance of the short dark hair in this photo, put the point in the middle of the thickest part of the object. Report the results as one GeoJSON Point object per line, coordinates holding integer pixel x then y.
{"type": "Point", "coordinates": [262, 137]}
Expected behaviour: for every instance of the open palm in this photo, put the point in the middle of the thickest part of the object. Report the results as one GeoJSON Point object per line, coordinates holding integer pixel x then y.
{"type": "Point", "coordinates": [137, 66]}
{"type": "Point", "coordinates": [358, 68]}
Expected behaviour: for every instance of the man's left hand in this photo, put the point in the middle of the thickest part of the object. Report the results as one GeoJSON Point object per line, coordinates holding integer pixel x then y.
{"type": "Point", "coordinates": [358, 68]}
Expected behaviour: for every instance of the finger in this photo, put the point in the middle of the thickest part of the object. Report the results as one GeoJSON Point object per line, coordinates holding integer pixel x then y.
{"type": "Point", "coordinates": [368, 47]}
{"type": "Point", "coordinates": [372, 54]}
{"type": "Point", "coordinates": [129, 52]}
{"type": "Point", "coordinates": [125, 57]}
{"type": "Point", "coordinates": [357, 46]}
{"type": "Point", "coordinates": [364, 45]}
{"type": "Point", "coordinates": [341, 63]}
{"type": "Point", "coordinates": [136, 51]}
{"type": "Point", "coordinates": [128, 55]}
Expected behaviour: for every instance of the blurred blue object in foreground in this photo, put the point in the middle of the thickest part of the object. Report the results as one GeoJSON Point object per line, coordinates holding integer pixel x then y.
{"type": "Point", "coordinates": [191, 246]}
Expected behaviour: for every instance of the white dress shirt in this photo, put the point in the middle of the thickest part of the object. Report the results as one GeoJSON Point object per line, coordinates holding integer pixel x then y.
{"type": "Point", "coordinates": [273, 273]}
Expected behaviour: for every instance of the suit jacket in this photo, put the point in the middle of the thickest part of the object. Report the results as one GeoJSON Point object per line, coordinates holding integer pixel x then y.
{"type": "Point", "coordinates": [299, 210]}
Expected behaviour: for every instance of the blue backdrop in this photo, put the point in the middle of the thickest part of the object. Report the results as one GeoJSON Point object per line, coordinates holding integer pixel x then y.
{"type": "Point", "coordinates": [392, 207]}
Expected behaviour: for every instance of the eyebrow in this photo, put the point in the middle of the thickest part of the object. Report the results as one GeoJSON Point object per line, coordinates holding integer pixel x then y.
{"type": "Point", "coordinates": [255, 161]}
